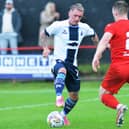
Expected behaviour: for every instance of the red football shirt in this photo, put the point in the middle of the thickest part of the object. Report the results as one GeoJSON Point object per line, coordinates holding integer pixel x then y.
{"type": "Point", "coordinates": [119, 43]}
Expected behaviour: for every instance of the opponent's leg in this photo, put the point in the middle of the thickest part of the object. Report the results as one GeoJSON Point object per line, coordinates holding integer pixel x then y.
{"type": "Point", "coordinates": [109, 100]}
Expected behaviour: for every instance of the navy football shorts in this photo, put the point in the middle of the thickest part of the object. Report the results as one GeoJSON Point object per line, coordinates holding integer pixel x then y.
{"type": "Point", "coordinates": [72, 80]}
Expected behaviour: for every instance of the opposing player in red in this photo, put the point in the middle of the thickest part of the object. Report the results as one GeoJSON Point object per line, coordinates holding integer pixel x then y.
{"type": "Point", "coordinates": [116, 36]}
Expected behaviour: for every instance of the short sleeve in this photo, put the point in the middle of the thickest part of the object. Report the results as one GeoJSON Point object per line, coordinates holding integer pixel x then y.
{"type": "Point", "coordinates": [89, 31]}
{"type": "Point", "coordinates": [52, 29]}
{"type": "Point", "coordinates": [110, 28]}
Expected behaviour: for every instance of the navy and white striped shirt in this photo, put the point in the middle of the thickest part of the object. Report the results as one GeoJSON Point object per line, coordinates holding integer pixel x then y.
{"type": "Point", "coordinates": [67, 39]}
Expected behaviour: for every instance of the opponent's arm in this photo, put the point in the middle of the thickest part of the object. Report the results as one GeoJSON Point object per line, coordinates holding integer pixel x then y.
{"type": "Point", "coordinates": [100, 49]}
{"type": "Point", "coordinates": [46, 50]}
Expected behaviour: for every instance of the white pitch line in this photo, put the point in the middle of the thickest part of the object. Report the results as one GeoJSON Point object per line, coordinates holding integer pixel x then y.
{"type": "Point", "coordinates": [25, 106]}
{"type": "Point", "coordinates": [39, 91]}
{"type": "Point", "coordinates": [39, 105]}
{"type": "Point", "coordinates": [47, 104]}
{"type": "Point", "coordinates": [25, 91]}
{"type": "Point", "coordinates": [46, 91]}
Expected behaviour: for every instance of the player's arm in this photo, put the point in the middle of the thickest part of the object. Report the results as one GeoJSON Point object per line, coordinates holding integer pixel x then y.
{"type": "Point", "coordinates": [49, 31]}
{"type": "Point", "coordinates": [44, 37]}
{"type": "Point", "coordinates": [100, 49]}
{"type": "Point", "coordinates": [93, 35]}
{"type": "Point", "coordinates": [95, 39]}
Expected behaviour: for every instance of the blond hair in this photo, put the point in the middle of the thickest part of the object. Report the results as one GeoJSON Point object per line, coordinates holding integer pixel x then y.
{"type": "Point", "coordinates": [48, 6]}
{"type": "Point", "coordinates": [77, 6]}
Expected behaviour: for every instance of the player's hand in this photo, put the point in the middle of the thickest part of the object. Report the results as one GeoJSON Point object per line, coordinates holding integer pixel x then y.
{"type": "Point", "coordinates": [46, 52]}
{"type": "Point", "coordinates": [95, 64]}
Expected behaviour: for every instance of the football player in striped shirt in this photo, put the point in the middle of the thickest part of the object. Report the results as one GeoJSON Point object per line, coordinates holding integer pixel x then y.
{"type": "Point", "coordinates": [68, 35]}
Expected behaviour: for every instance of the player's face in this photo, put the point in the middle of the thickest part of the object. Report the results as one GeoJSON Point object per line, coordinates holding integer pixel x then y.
{"type": "Point", "coordinates": [51, 8]}
{"type": "Point", "coordinates": [75, 16]}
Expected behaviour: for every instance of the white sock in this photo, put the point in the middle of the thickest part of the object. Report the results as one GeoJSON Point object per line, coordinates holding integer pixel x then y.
{"type": "Point", "coordinates": [119, 106]}
{"type": "Point", "coordinates": [62, 114]}
{"type": "Point", "coordinates": [58, 96]}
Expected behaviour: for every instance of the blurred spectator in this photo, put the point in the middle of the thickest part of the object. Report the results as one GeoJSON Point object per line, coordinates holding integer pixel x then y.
{"type": "Point", "coordinates": [47, 16]}
{"type": "Point", "coordinates": [10, 25]}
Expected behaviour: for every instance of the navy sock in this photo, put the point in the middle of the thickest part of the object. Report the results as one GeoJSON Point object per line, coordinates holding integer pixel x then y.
{"type": "Point", "coordinates": [59, 83]}
{"type": "Point", "coordinates": [69, 105]}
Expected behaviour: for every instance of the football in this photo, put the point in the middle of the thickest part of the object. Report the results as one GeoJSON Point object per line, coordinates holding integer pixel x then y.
{"type": "Point", "coordinates": [55, 120]}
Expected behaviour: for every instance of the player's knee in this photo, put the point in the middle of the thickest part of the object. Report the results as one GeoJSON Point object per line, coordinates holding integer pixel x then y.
{"type": "Point", "coordinates": [102, 91]}
{"type": "Point", "coordinates": [60, 78]}
{"type": "Point", "coordinates": [74, 96]}
{"type": "Point", "coordinates": [62, 70]}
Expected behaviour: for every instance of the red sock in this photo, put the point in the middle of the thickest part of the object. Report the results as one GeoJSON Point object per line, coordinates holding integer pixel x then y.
{"type": "Point", "coordinates": [109, 100]}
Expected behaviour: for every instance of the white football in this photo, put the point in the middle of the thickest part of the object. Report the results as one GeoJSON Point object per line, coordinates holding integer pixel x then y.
{"type": "Point", "coordinates": [54, 119]}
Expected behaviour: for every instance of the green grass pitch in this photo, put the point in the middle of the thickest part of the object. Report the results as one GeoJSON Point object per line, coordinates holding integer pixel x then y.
{"type": "Point", "coordinates": [25, 105]}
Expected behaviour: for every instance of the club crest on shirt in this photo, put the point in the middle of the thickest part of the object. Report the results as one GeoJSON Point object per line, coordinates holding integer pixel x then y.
{"type": "Point", "coordinates": [64, 32]}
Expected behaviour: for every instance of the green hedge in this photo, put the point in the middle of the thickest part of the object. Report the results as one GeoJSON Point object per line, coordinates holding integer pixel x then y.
{"type": "Point", "coordinates": [86, 69]}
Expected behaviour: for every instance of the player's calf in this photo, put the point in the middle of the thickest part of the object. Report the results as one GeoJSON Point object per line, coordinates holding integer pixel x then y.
{"type": "Point", "coordinates": [59, 86]}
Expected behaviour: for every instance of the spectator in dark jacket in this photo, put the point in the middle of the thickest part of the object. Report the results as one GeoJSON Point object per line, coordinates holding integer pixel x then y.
{"type": "Point", "coordinates": [10, 25]}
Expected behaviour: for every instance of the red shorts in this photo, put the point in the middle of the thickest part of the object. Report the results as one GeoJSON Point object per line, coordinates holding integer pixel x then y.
{"type": "Point", "coordinates": [116, 76]}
